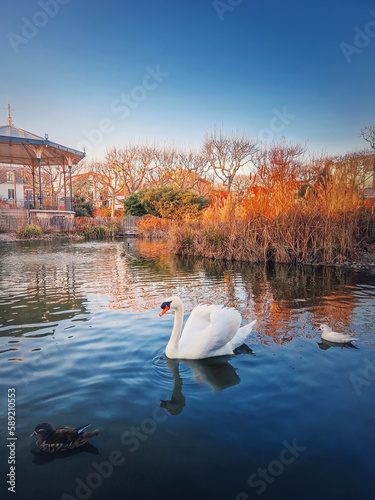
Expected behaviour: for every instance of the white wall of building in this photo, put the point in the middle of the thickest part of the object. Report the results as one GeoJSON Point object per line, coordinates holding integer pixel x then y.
{"type": "Point", "coordinates": [9, 187]}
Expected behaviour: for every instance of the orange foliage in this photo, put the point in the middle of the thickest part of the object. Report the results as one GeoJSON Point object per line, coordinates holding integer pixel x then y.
{"type": "Point", "coordinates": [106, 212]}
{"type": "Point", "coordinates": [272, 221]}
{"type": "Point", "coordinates": [151, 222]}
{"type": "Point", "coordinates": [150, 226]}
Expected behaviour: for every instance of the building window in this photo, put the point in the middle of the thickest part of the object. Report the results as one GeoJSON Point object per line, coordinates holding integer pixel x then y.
{"type": "Point", "coordinates": [10, 176]}
{"type": "Point", "coordinates": [10, 194]}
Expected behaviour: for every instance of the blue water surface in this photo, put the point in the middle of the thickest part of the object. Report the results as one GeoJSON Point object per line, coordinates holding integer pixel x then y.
{"type": "Point", "coordinates": [82, 342]}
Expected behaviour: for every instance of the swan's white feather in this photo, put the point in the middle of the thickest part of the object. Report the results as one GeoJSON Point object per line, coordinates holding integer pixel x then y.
{"type": "Point", "coordinates": [210, 330]}
{"type": "Point", "coordinates": [242, 334]}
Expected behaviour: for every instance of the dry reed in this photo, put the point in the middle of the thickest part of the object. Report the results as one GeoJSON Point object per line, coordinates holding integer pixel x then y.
{"type": "Point", "coordinates": [324, 226]}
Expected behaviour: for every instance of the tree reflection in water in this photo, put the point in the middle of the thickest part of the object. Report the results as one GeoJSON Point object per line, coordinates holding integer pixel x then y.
{"type": "Point", "coordinates": [276, 295]}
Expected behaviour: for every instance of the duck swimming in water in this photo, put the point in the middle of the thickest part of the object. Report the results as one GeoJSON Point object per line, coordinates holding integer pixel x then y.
{"type": "Point", "coordinates": [61, 438]}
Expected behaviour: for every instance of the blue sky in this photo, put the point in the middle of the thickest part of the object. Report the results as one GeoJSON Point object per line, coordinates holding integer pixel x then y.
{"type": "Point", "coordinates": [95, 73]}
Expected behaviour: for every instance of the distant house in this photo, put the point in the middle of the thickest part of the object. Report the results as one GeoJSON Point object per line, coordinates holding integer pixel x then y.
{"type": "Point", "coordinates": [14, 188]}
{"type": "Point", "coordinates": [93, 186]}
{"type": "Point", "coordinates": [87, 185]}
{"type": "Point", "coordinates": [359, 172]}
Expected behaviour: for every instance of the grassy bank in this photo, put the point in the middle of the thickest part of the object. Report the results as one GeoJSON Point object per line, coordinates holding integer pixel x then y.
{"type": "Point", "coordinates": [297, 237]}
{"type": "Point", "coordinates": [91, 230]}
{"type": "Point", "coordinates": [327, 225]}
{"type": "Point", "coordinates": [83, 227]}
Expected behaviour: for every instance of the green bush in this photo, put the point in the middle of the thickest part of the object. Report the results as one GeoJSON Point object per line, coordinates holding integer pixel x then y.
{"type": "Point", "coordinates": [82, 207]}
{"type": "Point", "coordinates": [167, 202]}
{"type": "Point", "coordinates": [133, 205]}
{"type": "Point", "coordinates": [112, 228]}
{"type": "Point", "coordinates": [29, 231]}
{"type": "Point", "coordinates": [92, 232]}
{"type": "Point", "coordinates": [95, 232]}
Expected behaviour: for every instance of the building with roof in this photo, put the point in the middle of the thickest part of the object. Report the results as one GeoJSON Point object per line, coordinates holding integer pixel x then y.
{"type": "Point", "coordinates": [26, 164]}
{"type": "Point", "coordinates": [94, 186]}
{"type": "Point", "coordinates": [15, 187]}
{"type": "Point", "coordinates": [357, 171]}
{"type": "Point", "coordinates": [21, 148]}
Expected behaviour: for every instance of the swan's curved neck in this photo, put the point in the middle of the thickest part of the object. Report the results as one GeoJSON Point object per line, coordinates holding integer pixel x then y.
{"type": "Point", "coordinates": [172, 346]}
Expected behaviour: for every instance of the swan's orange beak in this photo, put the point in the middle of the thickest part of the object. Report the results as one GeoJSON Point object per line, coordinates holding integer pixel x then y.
{"type": "Point", "coordinates": [166, 308]}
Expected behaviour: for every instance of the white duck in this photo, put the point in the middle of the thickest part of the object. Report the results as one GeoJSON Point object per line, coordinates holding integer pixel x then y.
{"type": "Point", "coordinates": [340, 338]}
{"type": "Point", "coordinates": [211, 330]}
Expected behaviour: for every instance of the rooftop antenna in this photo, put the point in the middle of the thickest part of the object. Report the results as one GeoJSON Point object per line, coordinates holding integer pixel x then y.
{"type": "Point", "coordinates": [9, 120]}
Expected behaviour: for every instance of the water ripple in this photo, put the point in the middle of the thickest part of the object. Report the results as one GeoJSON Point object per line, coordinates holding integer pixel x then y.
{"type": "Point", "coordinates": [82, 341]}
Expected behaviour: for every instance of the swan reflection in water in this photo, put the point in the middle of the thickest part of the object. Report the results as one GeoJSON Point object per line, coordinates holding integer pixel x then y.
{"type": "Point", "coordinates": [216, 372]}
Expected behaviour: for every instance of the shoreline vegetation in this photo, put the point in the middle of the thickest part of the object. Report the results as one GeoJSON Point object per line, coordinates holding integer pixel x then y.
{"type": "Point", "coordinates": [289, 210]}
{"type": "Point", "coordinates": [307, 231]}
{"type": "Point", "coordinates": [292, 237]}
{"type": "Point", "coordinates": [190, 241]}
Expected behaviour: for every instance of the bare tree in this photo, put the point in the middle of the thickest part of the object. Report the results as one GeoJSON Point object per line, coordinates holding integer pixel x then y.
{"type": "Point", "coordinates": [192, 170]}
{"type": "Point", "coordinates": [134, 164]}
{"type": "Point", "coordinates": [227, 154]}
{"type": "Point", "coordinates": [109, 178]}
{"type": "Point", "coordinates": [368, 134]}
{"type": "Point", "coordinates": [242, 182]}
{"type": "Point", "coordinates": [354, 170]}
{"type": "Point", "coordinates": [280, 163]}
{"type": "Point", "coordinates": [54, 178]}
{"type": "Point", "coordinates": [165, 162]}
{"type": "Point", "coordinates": [279, 167]}
{"type": "Point", "coordinates": [182, 169]}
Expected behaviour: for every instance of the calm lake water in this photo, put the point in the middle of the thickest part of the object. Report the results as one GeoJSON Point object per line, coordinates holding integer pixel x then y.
{"type": "Point", "coordinates": [81, 342]}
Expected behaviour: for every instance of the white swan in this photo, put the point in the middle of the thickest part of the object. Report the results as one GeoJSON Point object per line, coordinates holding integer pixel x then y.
{"type": "Point", "coordinates": [340, 338]}
{"type": "Point", "coordinates": [211, 330]}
